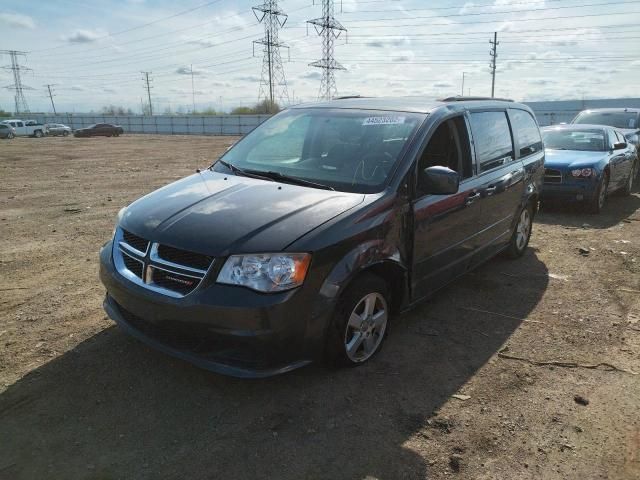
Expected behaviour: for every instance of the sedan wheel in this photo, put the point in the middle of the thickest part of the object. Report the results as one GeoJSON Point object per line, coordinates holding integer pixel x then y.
{"type": "Point", "coordinates": [597, 204]}
{"type": "Point", "coordinates": [65, 133]}
{"type": "Point", "coordinates": [38, 133]}
{"type": "Point", "coordinates": [626, 190]}
{"type": "Point", "coordinates": [522, 233]}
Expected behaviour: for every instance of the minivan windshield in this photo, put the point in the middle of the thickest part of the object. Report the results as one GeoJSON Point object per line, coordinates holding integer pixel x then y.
{"type": "Point", "coordinates": [343, 149]}
{"type": "Point", "coordinates": [584, 140]}
{"type": "Point", "coordinates": [611, 119]}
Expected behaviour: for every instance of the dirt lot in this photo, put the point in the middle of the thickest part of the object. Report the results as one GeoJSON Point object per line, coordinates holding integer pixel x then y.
{"type": "Point", "coordinates": [81, 400]}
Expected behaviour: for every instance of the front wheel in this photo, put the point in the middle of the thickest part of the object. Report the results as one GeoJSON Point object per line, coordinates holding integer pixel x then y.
{"type": "Point", "coordinates": [360, 323]}
{"type": "Point", "coordinates": [626, 190]}
{"type": "Point", "coordinates": [597, 203]}
{"type": "Point", "coordinates": [65, 133]}
{"type": "Point", "coordinates": [522, 233]}
{"type": "Point", "coordinates": [38, 134]}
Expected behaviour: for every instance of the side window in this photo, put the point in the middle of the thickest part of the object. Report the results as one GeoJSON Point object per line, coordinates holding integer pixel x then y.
{"type": "Point", "coordinates": [492, 138]}
{"type": "Point", "coordinates": [449, 146]}
{"type": "Point", "coordinates": [526, 131]}
{"type": "Point", "coordinates": [19, 124]}
{"type": "Point", "coordinates": [612, 138]}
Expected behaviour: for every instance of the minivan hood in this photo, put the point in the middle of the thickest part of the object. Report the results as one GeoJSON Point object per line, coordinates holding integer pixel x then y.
{"type": "Point", "coordinates": [218, 214]}
{"type": "Point", "coordinates": [572, 158]}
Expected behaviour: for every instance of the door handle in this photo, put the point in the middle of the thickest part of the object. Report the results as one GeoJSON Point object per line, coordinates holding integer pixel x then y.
{"type": "Point", "coordinates": [472, 198]}
{"type": "Point", "coordinates": [490, 190]}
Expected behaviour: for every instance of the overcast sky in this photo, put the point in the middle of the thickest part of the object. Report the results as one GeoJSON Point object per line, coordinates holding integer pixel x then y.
{"type": "Point", "coordinates": [94, 51]}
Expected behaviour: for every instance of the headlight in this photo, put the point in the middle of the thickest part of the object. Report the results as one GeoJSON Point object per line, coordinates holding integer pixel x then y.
{"type": "Point", "coordinates": [583, 172]}
{"type": "Point", "coordinates": [268, 272]}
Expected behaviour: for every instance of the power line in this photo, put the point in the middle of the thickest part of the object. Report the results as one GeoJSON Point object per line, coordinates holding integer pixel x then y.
{"type": "Point", "coordinates": [494, 56]}
{"type": "Point", "coordinates": [148, 87]}
{"type": "Point", "coordinates": [329, 29]}
{"type": "Point", "coordinates": [273, 84]}
{"type": "Point", "coordinates": [51, 95]}
{"type": "Point", "coordinates": [18, 87]}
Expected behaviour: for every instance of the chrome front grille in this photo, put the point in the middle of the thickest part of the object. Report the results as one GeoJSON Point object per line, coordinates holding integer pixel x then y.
{"type": "Point", "coordinates": [161, 268]}
{"type": "Point", "coordinates": [552, 175]}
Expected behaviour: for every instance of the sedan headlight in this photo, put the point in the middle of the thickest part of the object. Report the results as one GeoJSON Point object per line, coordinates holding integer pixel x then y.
{"type": "Point", "coordinates": [584, 172]}
{"type": "Point", "coordinates": [267, 272]}
{"type": "Point", "coordinates": [118, 218]}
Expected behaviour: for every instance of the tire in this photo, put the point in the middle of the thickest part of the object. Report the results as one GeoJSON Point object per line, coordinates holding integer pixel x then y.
{"type": "Point", "coordinates": [65, 133]}
{"type": "Point", "coordinates": [38, 134]}
{"type": "Point", "coordinates": [360, 322]}
{"type": "Point", "coordinates": [626, 190]}
{"type": "Point", "coordinates": [521, 234]}
{"type": "Point", "coordinates": [597, 202]}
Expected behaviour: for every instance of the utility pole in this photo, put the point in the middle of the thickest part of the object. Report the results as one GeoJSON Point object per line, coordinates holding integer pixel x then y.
{"type": "Point", "coordinates": [462, 89]}
{"type": "Point", "coordinates": [148, 87]}
{"type": "Point", "coordinates": [53, 105]}
{"type": "Point", "coordinates": [329, 29]}
{"type": "Point", "coordinates": [494, 55]}
{"type": "Point", "coordinates": [193, 92]}
{"type": "Point", "coordinates": [20, 102]}
{"type": "Point", "coordinates": [273, 85]}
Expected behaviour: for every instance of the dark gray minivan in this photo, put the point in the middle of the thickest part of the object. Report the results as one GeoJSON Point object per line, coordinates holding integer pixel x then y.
{"type": "Point", "coordinates": [304, 238]}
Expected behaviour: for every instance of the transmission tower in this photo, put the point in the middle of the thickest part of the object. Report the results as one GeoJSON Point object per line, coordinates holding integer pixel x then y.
{"type": "Point", "coordinates": [20, 102]}
{"type": "Point", "coordinates": [494, 55]}
{"type": "Point", "coordinates": [329, 29]}
{"type": "Point", "coordinates": [273, 85]}
{"type": "Point", "coordinates": [145, 78]}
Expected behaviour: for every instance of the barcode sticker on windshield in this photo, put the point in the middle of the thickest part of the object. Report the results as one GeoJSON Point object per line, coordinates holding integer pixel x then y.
{"type": "Point", "coordinates": [387, 120]}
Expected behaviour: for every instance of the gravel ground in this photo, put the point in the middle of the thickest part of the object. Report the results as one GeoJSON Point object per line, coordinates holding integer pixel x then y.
{"type": "Point", "coordinates": [520, 370]}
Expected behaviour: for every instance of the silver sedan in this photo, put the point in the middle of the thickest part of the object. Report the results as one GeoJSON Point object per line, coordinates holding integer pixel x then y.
{"type": "Point", "coordinates": [56, 129]}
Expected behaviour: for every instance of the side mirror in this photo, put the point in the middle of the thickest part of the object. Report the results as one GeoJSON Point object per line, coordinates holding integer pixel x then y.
{"type": "Point", "coordinates": [619, 146]}
{"type": "Point", "coordinates": [439, 181]}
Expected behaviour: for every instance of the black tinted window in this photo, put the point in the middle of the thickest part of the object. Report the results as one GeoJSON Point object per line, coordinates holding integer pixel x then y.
{"type": "Point", "coordinates": [526, 131]}
{"type": "Point", "coordinates": [492, 139]}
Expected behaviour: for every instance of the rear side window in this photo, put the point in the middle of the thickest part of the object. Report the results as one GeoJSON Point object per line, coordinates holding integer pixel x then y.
{"type": "Point", "coordinates": [492, 139]}
{"type": "Point", "coordinates": [526, 131]}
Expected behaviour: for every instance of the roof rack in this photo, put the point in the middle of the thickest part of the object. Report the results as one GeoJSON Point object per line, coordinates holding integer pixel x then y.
{"type": "Point", "coordinates": [459, 98]}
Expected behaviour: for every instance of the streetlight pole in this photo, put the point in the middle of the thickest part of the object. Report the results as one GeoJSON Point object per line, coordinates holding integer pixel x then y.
{"type": "Point", "coordinates": [462, 90]}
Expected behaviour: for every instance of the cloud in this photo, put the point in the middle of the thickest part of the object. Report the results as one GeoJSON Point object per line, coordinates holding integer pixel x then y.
{"type": "Point", "coordinates": [83, 36]}
{"type": "Point", "coordinates": [248, 78]}
{"type": "Point", "coordinates": [187, 71]}
{"type": "Point", "coordinates": [312, 76]}
{"type": "Point", "coordinates": [202, 43]}
{"type": "Point", "coordinates": [394, 42]}
{"type": "Point", "coordinates": [77, 88]}
{"type": "Point", "coordinates": [541, 81]}
{"type": "Point", "coordinates": [17, 20]}
{"type": "Point", "coordinates": [443, 85]}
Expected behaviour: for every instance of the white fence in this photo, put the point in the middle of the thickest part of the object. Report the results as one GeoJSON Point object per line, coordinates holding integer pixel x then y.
{"type": "Point", "coordinates": [163, 124]}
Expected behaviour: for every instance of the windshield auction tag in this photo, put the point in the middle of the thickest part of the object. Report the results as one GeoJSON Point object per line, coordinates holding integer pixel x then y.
{"type": "Point", "coordinates": [387, 120]}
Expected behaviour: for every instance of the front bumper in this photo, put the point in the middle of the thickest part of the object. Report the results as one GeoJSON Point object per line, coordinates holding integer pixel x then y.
{"type": "Point", "coordinates": [574, 191]}
{"type": "Point", "coordinates": [226, 329]}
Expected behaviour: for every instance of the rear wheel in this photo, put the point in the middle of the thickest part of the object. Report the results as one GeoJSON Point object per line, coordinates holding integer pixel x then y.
{"type": "Point", "coordinates": [597, 203]}
{"type": "Point", "coordinates": [626, 190]}
{"type": "Point", "coordinates": [38, 134]}
{"type": "Point", "coordinates": [65, 133]}
{"type": "Point", "coordinates": [360, 323]}
{"type": "Point", "coordinates": [522, 233]}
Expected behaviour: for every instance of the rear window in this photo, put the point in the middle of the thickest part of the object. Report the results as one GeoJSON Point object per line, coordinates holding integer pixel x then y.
{"type": "Point", "coordinates": [526, 131]}
{"type": "Point", "coordinates": [611, 119]}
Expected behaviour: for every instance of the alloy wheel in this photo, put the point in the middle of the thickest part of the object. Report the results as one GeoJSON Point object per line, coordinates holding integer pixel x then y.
{"type": "Point", "coordinates": [523, 229]}
{"type": "Point", "coordinates": [366, 327]}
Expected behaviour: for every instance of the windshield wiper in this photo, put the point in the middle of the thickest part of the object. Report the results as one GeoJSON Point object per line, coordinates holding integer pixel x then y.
{"type": "Point", "coordinates": [243, 172]}
{"type": "Point", "coordinates": [289, 179]}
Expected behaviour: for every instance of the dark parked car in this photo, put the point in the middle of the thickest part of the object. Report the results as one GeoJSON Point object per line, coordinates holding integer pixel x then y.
{"type": "Point", "coordinates": [99, 129]}
{"type": "Point", "coordinates": [303, 239]}
{"type": "Point", "coordinates": [587, 162]}
{"type": "Point", "coordinates": [7, 131]}
{"type": "Point", "coordinates": [625, 119]}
